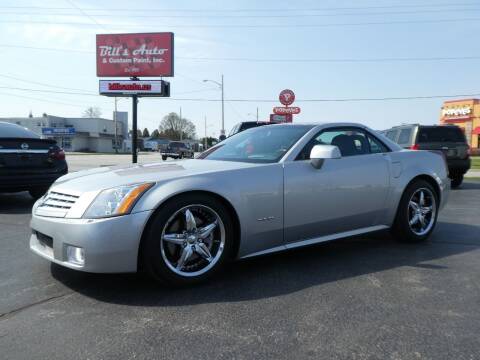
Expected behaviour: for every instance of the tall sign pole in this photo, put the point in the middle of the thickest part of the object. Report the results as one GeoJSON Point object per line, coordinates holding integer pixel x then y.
{"type": "Point", "coordinates": [132, 56]}
{"type": "Point", "coordinates": [134, 128]}
{"type": "Point", "coordinates": [223, 111]}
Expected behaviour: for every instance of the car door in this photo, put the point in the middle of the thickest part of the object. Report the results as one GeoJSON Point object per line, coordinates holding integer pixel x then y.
{"type": "Point", "coordinates": [344, 194]}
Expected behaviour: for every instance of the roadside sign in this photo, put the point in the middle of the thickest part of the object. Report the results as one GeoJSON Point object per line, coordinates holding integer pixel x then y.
{"type": "Point", "coordinates": [274, 118]}
{"type": "Point", "coordinates": [280, 110]}
{"type": "Point", "coordinates": [286, 97]}
{"type": "Point", "coordinates": [131, 55]}
{"type": "Point", "coordinates": [68, 131]}
{"type": "Point", "coordinates": [157, 88]}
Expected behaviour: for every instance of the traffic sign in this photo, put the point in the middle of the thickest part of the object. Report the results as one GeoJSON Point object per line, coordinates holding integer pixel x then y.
{"type": "Point", "coordinates": [286, 97]}
{"type": "Point", "coordinates": [280, 110]}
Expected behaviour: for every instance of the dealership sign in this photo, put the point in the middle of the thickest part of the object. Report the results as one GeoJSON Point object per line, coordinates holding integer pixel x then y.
{"type": "Point", "coordinates": [158, 88]}
{"type": "Point", "coordinates": [69, 131]}
{"type": "Point", "coordinates": [132, 55]}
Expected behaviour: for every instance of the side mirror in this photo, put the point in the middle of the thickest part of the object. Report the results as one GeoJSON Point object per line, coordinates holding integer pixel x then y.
{"type": "Point", "coordinates": [321, 152]}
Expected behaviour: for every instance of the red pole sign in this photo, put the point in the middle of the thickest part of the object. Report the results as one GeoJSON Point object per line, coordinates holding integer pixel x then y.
{"type": "Point", "coordinates": [280, 110]}
{"type": "Point", "coordinates": [131, 55]}
{"type": "Point", "coordinates": [286, 97]}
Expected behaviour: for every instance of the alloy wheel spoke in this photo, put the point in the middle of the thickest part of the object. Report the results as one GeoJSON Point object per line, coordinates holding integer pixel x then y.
{"type": "Point", "coordinates": [414, 220]}
{"type": "Point", "coordinates": [422, 199]}
{"type": "Point", "coordinates": [413, 205]}
{"type": "Point", "coordinates": [202, 250]}
{"type": "Point", "coordinates": [177, 239]}
{"type": "Point", "coordinates": [190, 221]}
{"type": "Point", "coordinates": [205, 231]}
{"type": "Point", "coordinates": [186, 254]}
{"type": "Point", "coordinates": [426, 209]}
{"type": "Point", "coordinates": [421, 218]}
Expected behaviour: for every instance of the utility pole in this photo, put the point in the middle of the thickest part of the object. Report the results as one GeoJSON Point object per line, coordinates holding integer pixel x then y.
{"type": "Point", "coordinates": [181, 132]}
{"type": "Point", "coordinates": [205, 138]}
{"type": "Point", "coordinates": [257, 113]}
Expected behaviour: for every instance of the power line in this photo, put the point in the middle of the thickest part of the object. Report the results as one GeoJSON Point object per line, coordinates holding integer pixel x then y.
{"type": "Point", "coordinates": [39, 83]}
{"type": "Point", "coordinates": [267, 100]}
{"type": "Point", "coordinates": [289, 16]}
{"type": "Point", "coordinates": [312, 60]}
{"type": "Point", "coordinates": [251, 26]}
{"type": "Point", "coordinates": [86, 14]}
{"type": "Point", "coordinates": [118, 9]}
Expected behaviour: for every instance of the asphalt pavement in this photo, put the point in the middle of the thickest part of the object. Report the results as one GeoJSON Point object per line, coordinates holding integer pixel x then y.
{"type": "Point", "coordinates": [360, 298]}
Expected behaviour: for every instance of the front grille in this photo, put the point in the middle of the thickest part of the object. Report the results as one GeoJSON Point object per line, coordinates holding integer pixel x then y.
{"type": "Point", "coordinates": [58, 200]}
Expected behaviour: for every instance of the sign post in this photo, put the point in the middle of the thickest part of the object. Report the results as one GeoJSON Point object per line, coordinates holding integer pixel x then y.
{"type": "Point", "coordinates": [285, 113]}
{"type": "Point", "coordinates": [131, 56]}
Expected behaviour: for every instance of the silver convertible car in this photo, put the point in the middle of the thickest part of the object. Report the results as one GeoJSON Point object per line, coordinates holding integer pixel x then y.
{"type": "Point", "coordinates": [263, 190]}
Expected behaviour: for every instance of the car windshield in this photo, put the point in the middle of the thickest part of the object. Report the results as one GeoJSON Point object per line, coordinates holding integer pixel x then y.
{"type": "Point", "coordinates": [441, 134]}
{"type": "Point", "coordinates": [265, 144]}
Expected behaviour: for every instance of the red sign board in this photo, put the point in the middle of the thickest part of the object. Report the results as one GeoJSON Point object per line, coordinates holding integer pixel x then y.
{"type": "Point", "coordinates": [274, 118]}
{"type": "Point", "coordinates": [286, 97]}
{"type": "Point", "coordinates": [129, 55]}
{"type": "Point", "coordinates": [279, 110]}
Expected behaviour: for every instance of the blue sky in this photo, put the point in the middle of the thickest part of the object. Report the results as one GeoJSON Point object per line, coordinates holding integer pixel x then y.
{"type": "Point", "coordinates": [254, 30]}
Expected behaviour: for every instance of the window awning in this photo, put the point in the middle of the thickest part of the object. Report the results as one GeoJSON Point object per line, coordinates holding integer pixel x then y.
{"type": "Point", "coordinates": [476, 131]}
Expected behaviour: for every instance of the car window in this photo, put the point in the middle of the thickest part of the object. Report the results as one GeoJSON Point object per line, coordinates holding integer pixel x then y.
{"type": "Point", "coordinates": [441, 134]}
{"type": "Point", "coordinates": [8, 130]}
{"type": "Point", "coordinates": [404, 137]}
{"type": "Point", "coordinates": [376, 147]}
{"type": "Point", "coordinates": [350, 142]}
{"type": "Point", "coordinates": [391, 134]}
{"type": "Point", "coordinates": [263, 144]}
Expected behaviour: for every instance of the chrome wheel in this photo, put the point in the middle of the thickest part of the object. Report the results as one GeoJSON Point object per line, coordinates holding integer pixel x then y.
{"type": "Point", "coordinates": [421, 211]}
{"type": "Point", "coordinates": [193, 240]}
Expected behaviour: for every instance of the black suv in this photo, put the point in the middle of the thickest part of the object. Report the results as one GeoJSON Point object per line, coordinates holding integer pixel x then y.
{"type": "Point", "coordinates": [177, 150]}
{"type": "Point", "coordinates": [246, 125]}
{"type": "Point", "coordinates": [28, 162]}
{"type": "Point", "coordinates": [449, 139]}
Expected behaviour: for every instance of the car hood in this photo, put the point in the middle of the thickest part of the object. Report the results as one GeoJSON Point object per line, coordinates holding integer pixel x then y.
{"type": "Point", "coordinates": [109, 177]}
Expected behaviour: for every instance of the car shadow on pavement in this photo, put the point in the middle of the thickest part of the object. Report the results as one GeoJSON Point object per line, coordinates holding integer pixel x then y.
{"type": "Point", "coordinates": [16, 203]}
{"type": "Point", "coordinates": [469, 185]}
{"type": "Point", "coordinates": [282, 273]}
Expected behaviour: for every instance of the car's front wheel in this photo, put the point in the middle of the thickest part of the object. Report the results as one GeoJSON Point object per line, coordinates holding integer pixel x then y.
{"type": "Point", "coordinates": [188, 240]}
{"type": "Point", "coordinates": [417, 212]}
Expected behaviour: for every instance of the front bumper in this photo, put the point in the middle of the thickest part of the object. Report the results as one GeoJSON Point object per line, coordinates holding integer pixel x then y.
{"type": "Point", "coordinates": [170, 154]}
{"type": "Point", "coordinates": [110, 245]}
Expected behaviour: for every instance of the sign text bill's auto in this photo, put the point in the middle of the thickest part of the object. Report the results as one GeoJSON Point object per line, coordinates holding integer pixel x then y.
{"type": "Point", "coordinates": [129, 55]}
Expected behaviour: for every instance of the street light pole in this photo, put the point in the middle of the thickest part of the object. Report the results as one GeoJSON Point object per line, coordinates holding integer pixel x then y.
{"type": "Point", "coordinates": [223, 111]}
{"type": "Point", "coordinates": [205, 139]}
{"type": "Point", "coordinates": [257, 113]}
{"type": "Point", "coordinates": [181, 132]}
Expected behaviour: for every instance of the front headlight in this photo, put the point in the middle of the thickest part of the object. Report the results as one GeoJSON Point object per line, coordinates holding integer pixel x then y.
{"type": "Point", "coordinates": [116, 201]}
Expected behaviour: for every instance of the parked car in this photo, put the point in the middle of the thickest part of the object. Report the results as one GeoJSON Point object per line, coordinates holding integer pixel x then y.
{"type": "Point", "coordinates": [264, 190]}
{"type": "Point", "coordinates": [27, 162]}
{"type": "Point", "coordinates": [449, 139]}
{"type": "Point", "coordinates": [247, 125]}
{"type": "Point", "coordinates": [177, 150]}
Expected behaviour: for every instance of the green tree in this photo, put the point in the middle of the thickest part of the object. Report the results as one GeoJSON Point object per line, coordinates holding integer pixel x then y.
{"type": "Point", "coordinates": [155, 134]}
{"type": "Point", "coordinates": [146, 133]}
{"type": "Point", "coordinates": [176, 128]}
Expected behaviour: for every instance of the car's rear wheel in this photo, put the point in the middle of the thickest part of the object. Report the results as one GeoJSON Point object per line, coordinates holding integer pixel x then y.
{"type": "Point", "coordinates": [37, 192]}
{"type": "Point", "coordinates": [417, 213]}
{"type": "Point", "coordinates": [164, 158]}
{"type": "Point", "coordinates": [189, 239]}
{"type": "Point", "coordinates": [457, 180]}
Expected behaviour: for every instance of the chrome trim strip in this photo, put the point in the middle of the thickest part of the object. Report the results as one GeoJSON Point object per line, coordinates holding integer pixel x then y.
{"type": "Point", "coordinates": [318, 240]}
{"type": "Point", "coordinates": [20, 151]}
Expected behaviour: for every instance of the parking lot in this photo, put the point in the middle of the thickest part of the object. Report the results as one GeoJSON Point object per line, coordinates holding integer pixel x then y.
{"type": "Point", "coordinates": [361, 298]}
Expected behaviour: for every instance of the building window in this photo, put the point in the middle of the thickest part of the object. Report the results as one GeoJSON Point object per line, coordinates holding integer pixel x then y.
{"type": "Point", "coordinates": [66, 143]}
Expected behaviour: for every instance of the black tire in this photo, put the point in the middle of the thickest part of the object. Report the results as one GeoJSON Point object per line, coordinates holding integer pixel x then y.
{"type": "Point", "coordinates": [164, 158]}
{"type": "Point", "coordinates": [151, 252]}
{"type": "Point", "coordinates": [401, 229]}
{"type": "Point", "coordinates": [180, 156]}
{"type": "Point", "coordinates": [456, 181]}
{"type": "Point", "coordinates": [37, 193]}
